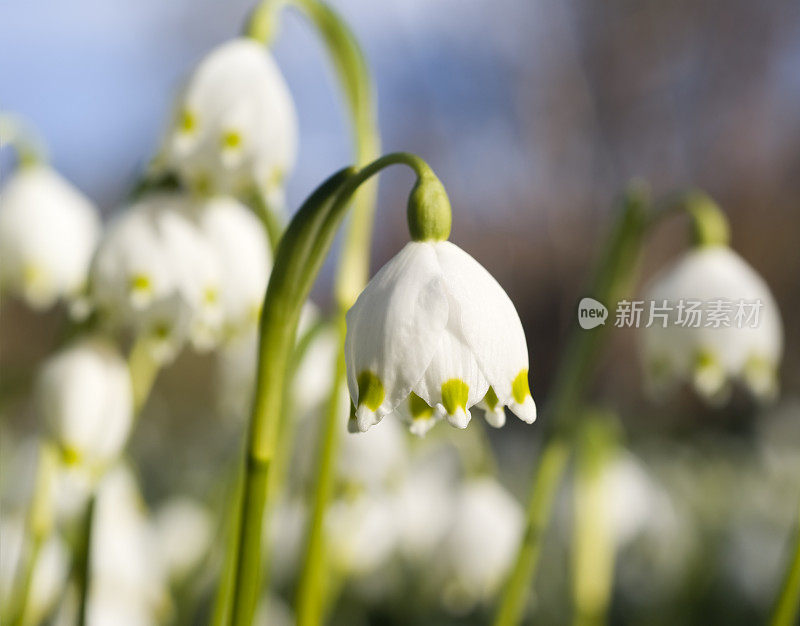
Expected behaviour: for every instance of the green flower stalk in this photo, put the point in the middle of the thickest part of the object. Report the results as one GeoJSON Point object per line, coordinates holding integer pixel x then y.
{"type": "Point", "coordinates": [353, 74]}
{"type": "Point", "coordinates": [613, 280]}
{"type": "Point", "coordinates": [593, 545]}
{"type": "Point", "coordinates": [787, 604]}
{"type": "Point", "coordinates": [299, 258]}
{"type": "Point", "coordinates": [39, 528]}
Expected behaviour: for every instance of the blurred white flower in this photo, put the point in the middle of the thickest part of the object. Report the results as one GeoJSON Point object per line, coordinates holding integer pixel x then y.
{"type": "Point", "coordinates": [362, 532]}
{"type": "Point", "coordinates": [285, 529]}
{"type": "Point", "coordinates": [241, 244]}
{"type": "Point", "coordinates": [481, 545]}
{"type": "Point", "coordinates": [313, 378]}
{"type": "Point", "coordinates": [49, 573]}
{"type": "Point", "coordinates": [86, 399]}
{"type": "Point", "coordinates": [425, 504]}
{"type": "Point", "coordinates": [235, 367]}
{"type": "Point", "coordinates": [128, 585]}
{"type": "Point", "coordinates": [432, 335]}
{"type": "Point", "coordinates": [235, 126]}
{"type": "Point", "coordinates": [635, 501]}
{"type": "Point", "coordinates": [374, 459]}
{"type": "Point", "coordinates": [272, 611]}
{"type": "Point", "coordinates": [708, 356]}
{"type": "Point", "coordinates": [156, 271]}
{"type": "Point", "coordinates": [74, 485]}
{"type": "Point", "coordinates": [183, 531]}
{"type": "Point", "coordinates": [48, 232]}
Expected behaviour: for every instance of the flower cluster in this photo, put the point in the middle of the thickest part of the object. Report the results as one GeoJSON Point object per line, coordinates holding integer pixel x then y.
{"type": "Point", "coordinates": [174, 267]}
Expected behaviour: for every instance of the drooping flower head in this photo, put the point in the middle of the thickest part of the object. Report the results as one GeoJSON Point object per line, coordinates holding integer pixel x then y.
{"type": "Point", "coordinates": [434, 334]}
{"type": "Point", "coordinates": [739, 334]}
{"type": "Point", "coordinates": [86, 399]}
{"type": "Point", "coordinates": [48, 232]}
{"type": "Point", "coordinates": [235, 126]}
{"type": "Point", "coordinates": [241, 246]}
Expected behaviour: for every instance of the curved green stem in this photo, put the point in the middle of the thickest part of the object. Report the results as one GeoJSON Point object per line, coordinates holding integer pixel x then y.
{"type": "Point", "coordinates": [353, 73]}
{"type": "Point", "coordinates": [787, 605]}
{"type": "Point", "coordinates": [708, 223]}
{"type": "Point", "coordinates": [300, 256]}
{"type": "Point", "coordinates": [613, 280]}
{"type": "Point", "coordinates": [312, 598]}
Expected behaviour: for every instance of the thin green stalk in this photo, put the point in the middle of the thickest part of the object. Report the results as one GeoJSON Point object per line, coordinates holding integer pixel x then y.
{"type": "Point", "coordinates": [271, 218]}
{"type": "Point", "coordinates": [552, 464]}
{"type": "Point", "coordinates": [224, 593]}
{"type": "Point", "coordinates": [353, 74]}
{"type": "Point", "coordinates": [613, 280]}
{"type": "Point", "coordinates": [354, 78]}
{"type": "Point", "coordinates": [299, 259]}
{"type": "Point", "coordinates": [39, 527]}
{"type": "Point", "coordinates": [83, 566]}
{"type": "Point", "coordinates": [144, 370]}
{"type": "Point", "coordinates": [787, 604]}
{"type": "Point", "coordinates": [593, 549]}
{"type": "Point", "coordinates": [310, 596]}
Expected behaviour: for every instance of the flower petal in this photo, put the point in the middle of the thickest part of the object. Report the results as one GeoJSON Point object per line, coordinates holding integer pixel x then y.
{"type": "Point", "coordinates": [489, 322]}
{"type": "Point", "coordinates": [394, 329]}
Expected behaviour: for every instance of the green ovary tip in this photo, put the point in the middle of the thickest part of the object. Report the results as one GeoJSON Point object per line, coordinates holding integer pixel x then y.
{"type": "Point", "coordinates": [187, 121]}
{"type": "Point", "coordinates": [705, 360]}
{"type": "Point", "coordinates": [491, 399]}
{"type": "Point", "coordinates": [370, 390]}
{"type": "Point", "coordinates": [140, 283]}
{"type": "Point", "coordinates": [520, 388]}
{"type": "Point", "coordinates": [455, 394]}
{"type": "Point", "coordinates": [231, 139]}
{"type": "Point", "coordinates": [420, 410]}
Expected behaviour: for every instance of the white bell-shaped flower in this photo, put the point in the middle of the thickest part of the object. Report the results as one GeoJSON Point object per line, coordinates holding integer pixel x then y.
{"type": "Point", "coordinates": [157, 272]}
{"type": "Point", "coordinates": [128, 584]}
{"type": "Point", "coordinates": [431, 335]}
{"type": "Point", "coordinates": [374, 459]}
{"type": "Point", "coordinates": [48, 232]}
{"type": "Point", "coordinates": [86, 398]}
{"type": "Point", "coordinates": [183, 530]}
{"type": "Point", "coordinates": [235, 126]}
{"type": "Point", "coordinates": [425, 503]}
{"type": "Point", "coordinates": [244, 257]}
{"type": "Point", "coordinates": [362, 533]}
{"type": "Point", "coordinates": [737, 335]}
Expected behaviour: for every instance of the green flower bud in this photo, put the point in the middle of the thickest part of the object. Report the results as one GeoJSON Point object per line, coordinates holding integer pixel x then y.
{"type": "Point", "coordinates": [429, 215]}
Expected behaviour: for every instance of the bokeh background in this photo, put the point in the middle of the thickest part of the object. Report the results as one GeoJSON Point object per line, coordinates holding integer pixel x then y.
{"type": "Point", "coordinates": [535, 114]}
